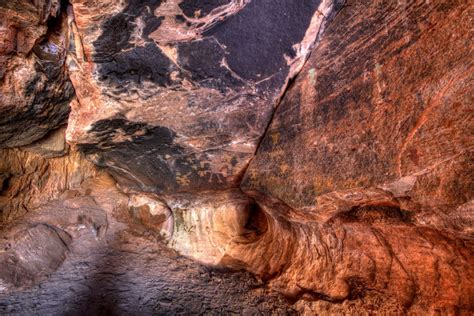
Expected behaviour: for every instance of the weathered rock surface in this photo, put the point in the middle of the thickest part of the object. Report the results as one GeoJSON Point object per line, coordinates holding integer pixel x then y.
{"type": "Point", "coordinates": [367, 250]}
{"type": "Point", "coordinates": [34, 87]}
{"type": "Point", "coordinates": [28, 180]}
{"type": "Point", "coordinates": [368, 161]}
{"type": "Point", "coordinates": [52, 145]}
{"type": "Point", "coordinates": [149, 211]}
{"type": "Point", "coordinates": [112, 268]}
{"type": "Point", "coordinates": [378, 105]}
{"type": "Point", "coordinates": [206, 226]}
{"type": "Point", "coordinates": [36, 246]}
{"type": "Point", "coordinates": [179, 98]}
{"type": "Point", "coordinates": [338, 192]}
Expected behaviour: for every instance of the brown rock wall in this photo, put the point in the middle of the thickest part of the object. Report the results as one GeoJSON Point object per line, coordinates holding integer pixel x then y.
{"type": "Point", "coordinates": [178, 102]}
{"type": "Point", "coordinates": [34, 87]}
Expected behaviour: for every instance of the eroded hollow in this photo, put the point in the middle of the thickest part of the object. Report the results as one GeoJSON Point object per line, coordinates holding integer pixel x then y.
{"type": "Point", "coordinates": [377, 213]}
{"type": "Point", "coordinates": [257, 221]}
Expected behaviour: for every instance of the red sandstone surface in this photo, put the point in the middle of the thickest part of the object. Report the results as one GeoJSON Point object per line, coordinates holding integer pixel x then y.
{"type": "Point", "coordinates": [236, 156]}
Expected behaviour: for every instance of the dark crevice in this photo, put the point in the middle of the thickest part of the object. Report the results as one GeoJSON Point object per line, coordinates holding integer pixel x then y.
{"type": "Point", "coordinates": [256, 224]}
{"type": "Point", "coordinates": [377, 213]}
{"type": "Point", "coordinates": [289, 85]}
{"type": "Point", "coordinates": [337, 7]}
{"type": "Point", "coordinates": [4, 182]}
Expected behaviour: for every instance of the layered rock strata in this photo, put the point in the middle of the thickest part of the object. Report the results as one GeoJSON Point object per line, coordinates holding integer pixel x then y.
{"type": "Point", "coordinates": [40, 172]}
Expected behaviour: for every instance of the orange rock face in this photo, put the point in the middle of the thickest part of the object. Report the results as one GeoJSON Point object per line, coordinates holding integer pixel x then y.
{"type": "Point", "coordinates": [371, 153]}
{"type": "Point", "coordinates": [30, 177]}
{"type": "Point", "coordinates": [376, 104]}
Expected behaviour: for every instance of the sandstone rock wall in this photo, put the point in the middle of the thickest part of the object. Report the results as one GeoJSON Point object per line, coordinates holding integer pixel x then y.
{"type": "Point", "coordinates": [34, 86]}
{"type": "Point", "coordinates": [384, 101]}
{"type": "Point", "coordinates": [324, 146]}
{"type": "Point", "coordinates": [374, 141]}
{"type": "Point", "coordinates": [188, 91]}
{"type": "Point", "coordinates": [371, 144]}
{"type": "Point", "coordinates": [105, 266]}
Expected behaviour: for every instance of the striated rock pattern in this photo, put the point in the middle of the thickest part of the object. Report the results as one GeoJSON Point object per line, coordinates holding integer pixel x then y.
{"type": "Point", "coordinates": [360, 252]}
{"type": "Point", "coordinates": [367, 250]}
{"type": "Point", "coordinates": [34, 87]}
{"type": "Point", "coordinates": [206, 226]}
{"type": "Point", "coordinates": [179, 98]}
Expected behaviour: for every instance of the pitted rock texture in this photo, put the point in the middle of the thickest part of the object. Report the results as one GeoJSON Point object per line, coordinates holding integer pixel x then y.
{"type": "Point", "coordinates": [34, 87]}
{"type": "Point", "coordinates": [178, 99]}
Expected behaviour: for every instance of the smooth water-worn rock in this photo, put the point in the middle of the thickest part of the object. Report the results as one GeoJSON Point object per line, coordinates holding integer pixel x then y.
{"type": "Point", "coordinates": [207, 225]}
{"type": "Point", "coordinates": [34, 247]}
{"type": "Point", "coordinates": [97, 262]}
{"type": "Point", "coordinates": [52, 145]}
{"type": "Point", "coordinates": [148, 210]}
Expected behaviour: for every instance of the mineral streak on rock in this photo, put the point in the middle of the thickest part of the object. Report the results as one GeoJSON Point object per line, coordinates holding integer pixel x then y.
{"type": "Point", "coordinates": [179, 98]}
